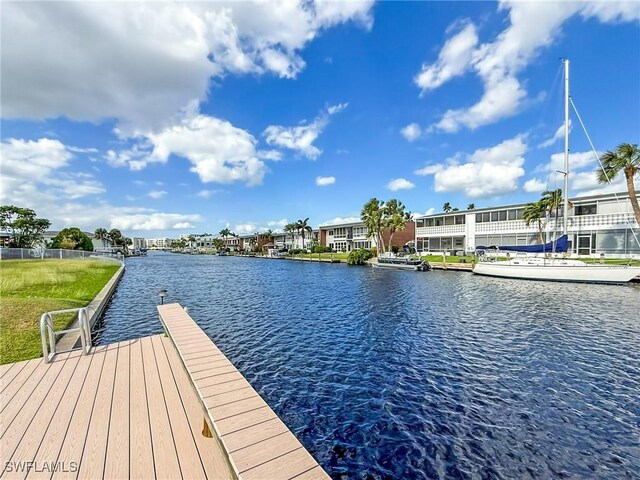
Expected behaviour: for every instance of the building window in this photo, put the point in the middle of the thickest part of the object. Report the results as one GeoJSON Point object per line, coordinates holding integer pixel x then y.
{"type": "Point", "coordinates": [494, 216]}
{"type": "Point", "coordinates": [330, 232]}
{"type": "Point", "coordinates": [591, 209]}
{"type": "Point", "coordinates": [448, 220]}
{"type": "Point", "coordinates": [420, 223]}
{"type": "Point", "coordinates": [512, 214]}
{"type": "Point", "coordinates": [502, 215]}
{"type": "Point", "coordinates": [437, 222]}
{"type": "Point", "coordinates": [459, 219]}
{"type": "Point", "coordinates": [519, 213]}
{"type": "Point", "coordinates": [428, 222]}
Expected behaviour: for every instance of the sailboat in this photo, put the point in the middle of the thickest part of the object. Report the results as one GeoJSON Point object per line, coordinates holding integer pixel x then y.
{"type": "Point", "coordinates": [550, 268]}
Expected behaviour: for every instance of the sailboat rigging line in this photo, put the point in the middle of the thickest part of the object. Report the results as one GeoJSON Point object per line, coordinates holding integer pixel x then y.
{"type": "Point", "coordinates": [593, 149]}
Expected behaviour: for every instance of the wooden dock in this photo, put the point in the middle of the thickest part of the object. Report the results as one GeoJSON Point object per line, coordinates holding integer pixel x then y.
{"type": "Point", "coordinates": [135, 409]}
{"type": "Point", "coordinates": [124, 410]}
{"type": "Point", "coordinates": [259, 445]}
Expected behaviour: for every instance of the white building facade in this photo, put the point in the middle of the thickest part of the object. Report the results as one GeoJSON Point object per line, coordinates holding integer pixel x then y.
{"type": "Point", "coordinates": [599, 224]}
{"type": "Point", "coordinates": [346, 237]}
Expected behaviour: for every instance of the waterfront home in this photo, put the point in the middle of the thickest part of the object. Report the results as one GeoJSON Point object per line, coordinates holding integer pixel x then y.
{"type": "Point", "coordinates": [598, 224]}
{"type": "Point", "coordinates": [98, 245]}
{"type": "Point", "coordinates": [345, 237]}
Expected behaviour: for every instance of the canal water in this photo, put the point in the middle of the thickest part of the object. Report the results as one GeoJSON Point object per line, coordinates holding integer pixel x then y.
{"type": "Point", "coordinates": [391, 374]}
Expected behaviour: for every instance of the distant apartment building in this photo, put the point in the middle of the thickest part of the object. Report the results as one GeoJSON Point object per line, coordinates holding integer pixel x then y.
{"type": "Point", "coordinates": [159, 243]}
{"type": "Point", "coordinates": [346, 237]}
{"type": "Point", "coordinates": [138, 243]}
{"type": "Point", "coordinates": [597, 224]}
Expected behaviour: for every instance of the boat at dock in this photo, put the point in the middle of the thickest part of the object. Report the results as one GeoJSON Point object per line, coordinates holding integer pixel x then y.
{"type": "Point", "coordinates": [398, 262]}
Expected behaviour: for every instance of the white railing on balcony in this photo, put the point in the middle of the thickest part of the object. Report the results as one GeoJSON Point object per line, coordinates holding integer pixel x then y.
{"type": "Point", "coordinates": [441, 230]}
{"type": "Point", "coordinates": [507, 226]}
{"type": "Point", "coordinates": [606, 220]}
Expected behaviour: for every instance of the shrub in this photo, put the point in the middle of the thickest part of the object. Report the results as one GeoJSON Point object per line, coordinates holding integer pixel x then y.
{"type": "Point", "coordinates": [359, 257]}
{"type": "Point", "coordinates": [296, 251]}
{"type": "Point", "coordinates": [321, 249]}
{"type": "Point", "coordinates": [374, 251]}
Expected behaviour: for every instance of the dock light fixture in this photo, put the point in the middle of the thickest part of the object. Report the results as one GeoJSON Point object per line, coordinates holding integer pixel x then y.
{"type": "Point", "coordinates": [162, 293]}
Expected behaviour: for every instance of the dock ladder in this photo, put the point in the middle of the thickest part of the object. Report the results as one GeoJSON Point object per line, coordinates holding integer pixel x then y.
{"type": "Point", "coordinates": [47, 329]}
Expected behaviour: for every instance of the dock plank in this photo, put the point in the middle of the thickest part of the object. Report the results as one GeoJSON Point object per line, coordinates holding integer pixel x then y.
{"type": "Point", "coordinates": [95, 447]}
{"type": "Point", "coordinates": [51, 442]}
{"type": "Point", "coordinates": [11, 389]}
{"type": "Point", "coordinates": [182, 434]}
{"type": "Point", "coordinates": [165, 456]}
{"type": "Point", "coordinates": [76, 435]}
{"type": "Point", "coordinates": [36, 408]}
{"type": "Point", "coordinates": [141, 454]}
{"type": "Point", "coordinates": [117, 458]}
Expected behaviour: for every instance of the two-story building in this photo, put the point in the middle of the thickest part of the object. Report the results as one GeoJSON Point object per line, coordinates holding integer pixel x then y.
{"type": "Point", "coordinates": [596, 224]}
{"type": "Point", "coordinates": [346, 237]}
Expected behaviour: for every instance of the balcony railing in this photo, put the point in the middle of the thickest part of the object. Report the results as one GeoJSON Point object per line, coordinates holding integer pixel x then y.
{"type": "Point", "coordinates": [578, 223]}
{"type": "Point", "coordinates": [440, 230]}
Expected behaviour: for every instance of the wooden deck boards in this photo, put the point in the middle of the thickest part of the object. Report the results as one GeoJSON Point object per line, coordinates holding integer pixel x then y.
{"type": "Point", "coordinates": [127, 410]}
{"type": "Point", "coordinates": [258, 444]}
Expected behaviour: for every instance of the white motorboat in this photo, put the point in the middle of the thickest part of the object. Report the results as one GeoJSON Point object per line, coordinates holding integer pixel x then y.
{"type": "Point", "coordinates": [390, 260]}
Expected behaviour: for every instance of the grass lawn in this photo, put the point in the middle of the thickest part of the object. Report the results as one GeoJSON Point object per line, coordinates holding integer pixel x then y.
{"type": "Point", "coordinates": [28, 288]}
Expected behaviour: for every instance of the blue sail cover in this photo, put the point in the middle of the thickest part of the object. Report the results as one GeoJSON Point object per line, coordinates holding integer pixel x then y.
{"type": "Point", "coordinates": [561, 246]}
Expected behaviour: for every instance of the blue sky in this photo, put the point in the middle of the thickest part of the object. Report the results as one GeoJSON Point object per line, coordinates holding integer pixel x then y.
{"type": "Point", "coordinates": [162, 118]}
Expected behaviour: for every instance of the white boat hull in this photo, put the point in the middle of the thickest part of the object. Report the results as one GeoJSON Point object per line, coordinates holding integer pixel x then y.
{"type": "Point", "coordinates": [559, 272]}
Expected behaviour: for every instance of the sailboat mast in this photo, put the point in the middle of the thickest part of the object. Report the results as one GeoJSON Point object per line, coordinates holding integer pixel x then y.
{"type": "Point", "coordinates": [565, 219]}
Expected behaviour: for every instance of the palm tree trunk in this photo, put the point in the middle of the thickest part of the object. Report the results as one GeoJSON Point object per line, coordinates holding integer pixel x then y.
{"type": "Point", "coordinates": [391, 232]}
{"type": "Point", "coordinates": [631, 188]}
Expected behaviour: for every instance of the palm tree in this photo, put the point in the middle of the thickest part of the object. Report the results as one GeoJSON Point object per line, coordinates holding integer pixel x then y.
{"type": "Point", "coordinates": [192, 240]}
{"type": "Point", "coordinates": [446, 208]}
{"type": "Point", "coordinates": [290, 228]}
{"type": "Point", "coordinates": [471, 206]}
{"type": "Point", "coordinates": [395, 217]}
{"type": "Point", "coordinates": [533, 212]}
{"type": "Point", "coordinates": [552, 201]}
{"type": "Point", "coordinates": [224, 233]}
{"type": "Point", "coordinates": [625, 158]}
{"type": "Point", "coordinates": [101, 234]}
{"type": "Point", "coordinates": [303, 228]}
{"type": "Point", "coordinates": [372, 216]}
{"type": "Point", "coordinates": [115, 236]}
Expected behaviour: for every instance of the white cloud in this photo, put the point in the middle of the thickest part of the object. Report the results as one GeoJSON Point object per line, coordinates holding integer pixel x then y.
{"type": "Point", "coordinates": [324, 181]}
{"type": "Point", "coordinates": [453, 60]}
{"type": "Point", "coordinates": [411, 132]}
{"type": "Point", "coordinates": [532, 26]}
{"type": "Point", "coordinates": [534, 185]}
{"type": "Point", "coordinates": [207, 193]}
{"type": "Point", "coordinates": [582, 174]}
{"type": "Point", "coordinates": [429, 211]}
{"type": "Point", "coordinates": [341, 220]}
{"type": "Point", "coordinates": [556, 136]}
{"type": "Point", "coordinates": [156, 194]}
{"type": "Point", "coordinates": [141, 63]}
{"type": "Point", "coordinates": [399, 184]}
{"type": "Point", "coordinates": [218, 151]}
{"type": "Point", "coordinates": [37, 165]}
{"type": "Point", "coordinates": [486, 172]}
{"type": "Point", "coordinates": [245, 228]}
{"type": "Point", "coordinates": [154, 221]}
{"type": "Point", "coordinates": [301, 138]}
{"type": "Point", "coordinates": [428, 169]}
